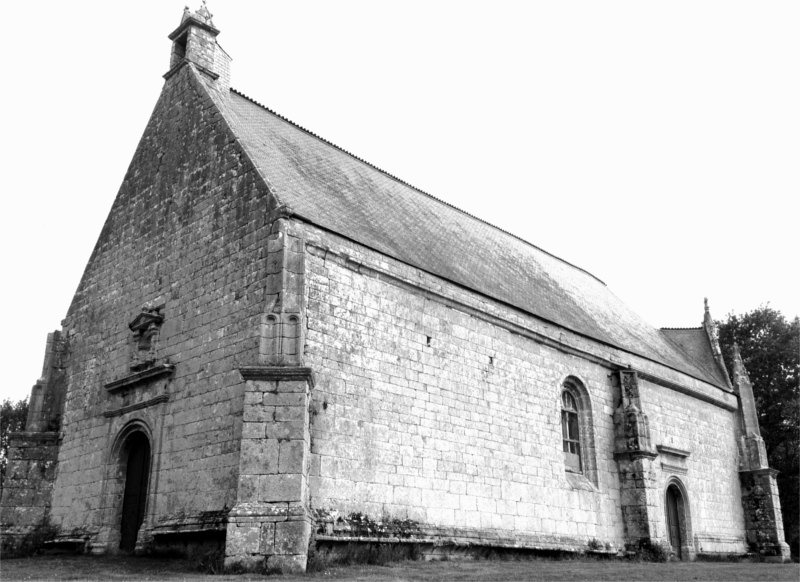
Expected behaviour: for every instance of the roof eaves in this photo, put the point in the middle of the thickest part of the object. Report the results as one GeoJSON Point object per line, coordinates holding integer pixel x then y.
{"type": "Point", "coordinates": [692, 374]}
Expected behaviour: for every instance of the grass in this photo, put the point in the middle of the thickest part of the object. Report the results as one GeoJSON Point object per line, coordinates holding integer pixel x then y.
{"type": "Point", "coordinates": [147, 569]}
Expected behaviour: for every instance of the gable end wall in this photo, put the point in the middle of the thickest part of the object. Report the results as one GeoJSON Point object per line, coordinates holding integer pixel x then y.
{"type": "Point", "coordinates": [186, 232]}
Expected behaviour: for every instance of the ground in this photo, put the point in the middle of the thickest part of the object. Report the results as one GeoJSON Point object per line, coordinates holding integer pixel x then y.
{"type": "Point", "coordinates": [144, 569]}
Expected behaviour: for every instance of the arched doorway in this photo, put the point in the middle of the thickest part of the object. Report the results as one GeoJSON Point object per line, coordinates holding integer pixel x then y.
{"type": "Point", "coordinates": [675, 525]}
{"type": "Point", "coordinates": [134, 499]}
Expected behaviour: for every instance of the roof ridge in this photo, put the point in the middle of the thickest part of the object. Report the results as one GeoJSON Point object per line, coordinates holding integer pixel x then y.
{"type": "Point", "coordinates": [393, 177]}
{"type": "Point", "coordinates": [681, 328]}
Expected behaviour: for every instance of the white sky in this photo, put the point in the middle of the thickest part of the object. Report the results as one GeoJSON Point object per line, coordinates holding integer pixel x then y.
{"type": "Point", "coordinates": [654, 144]}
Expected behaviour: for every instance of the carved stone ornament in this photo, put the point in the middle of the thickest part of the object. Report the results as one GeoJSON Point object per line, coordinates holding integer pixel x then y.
{"type": "Point", "coordinates": [144, 342]}
{"type": "Point", "coordinates": [629, 386]}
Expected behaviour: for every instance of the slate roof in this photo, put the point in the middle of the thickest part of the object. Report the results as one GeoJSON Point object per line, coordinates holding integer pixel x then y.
{"type": "Point", "coordinates": [695, 344]}
{"type": "Point", "coordinates": [333, 189]}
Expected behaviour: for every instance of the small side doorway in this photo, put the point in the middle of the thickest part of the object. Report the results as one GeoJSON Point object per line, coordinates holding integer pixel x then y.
{"type": "Point", "coordinates": [135, 497]}
{"type": "Point", "coordinates": [674, 520]}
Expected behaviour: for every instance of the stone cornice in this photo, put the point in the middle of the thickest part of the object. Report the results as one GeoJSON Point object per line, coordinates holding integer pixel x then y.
{"type": "Point", "coordinates": [277, 373]}
{"type": "Point", "coordinates": [675, 469]}
{"type": "Point", "coordinates": [34, 436]}
{"type": "Point", "coordinates": [243, 512]}
{"type": "Point", "coordinates": [192, 21]}
{"type": "Point", "coordinates": [688, 391]}
{"type": "Point", "coordinates": [142, 321]}
{"type": "Point", "coordinates": [635, 454]}
{"type": "Point", "coordinates": [672, 451]}
{"type": "Point", "coordinates": [138, 406]}
{"type": "Point", "coordinates": [767, 471]}
{"type": "Point", "coordinates": [140, 377]}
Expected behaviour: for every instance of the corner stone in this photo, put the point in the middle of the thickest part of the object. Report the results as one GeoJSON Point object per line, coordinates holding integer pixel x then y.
{"type": "Point", "coordinates": [292, 537]}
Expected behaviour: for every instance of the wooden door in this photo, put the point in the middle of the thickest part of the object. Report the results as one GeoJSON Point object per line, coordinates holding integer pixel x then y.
{"type": "Point", "coordinates": [673, 520]}
{"type": "Point", "coordinates": [135, 496]}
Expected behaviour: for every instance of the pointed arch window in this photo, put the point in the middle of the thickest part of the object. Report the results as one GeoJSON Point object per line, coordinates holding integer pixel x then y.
{"type": "Point", "coordinates": [570, 432]}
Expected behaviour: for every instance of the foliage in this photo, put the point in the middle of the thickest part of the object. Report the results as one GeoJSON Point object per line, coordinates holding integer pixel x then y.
{"type": "Point", "coordinates": [754, 558]}
{"type": "Point", "coordinates": [649, 551]}
{"type": "Point", "coordinates": [374, 554]}
{"type": "Point", "coordinates": [32, 542]}
{"type": "Point", "coordinates": [770, 348]}
{"type": "Point", "coordinates": [138, 568]}
{"type": "Point", "coordinates": [208, 561]}
{"type": "Point", "coordinates": [12, 419]}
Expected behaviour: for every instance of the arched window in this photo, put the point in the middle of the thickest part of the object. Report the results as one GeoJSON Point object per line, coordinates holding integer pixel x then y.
{"type": "Point", "coordinates": [570, 432]}
{"type": "Point", "coordinates": [577, 434]}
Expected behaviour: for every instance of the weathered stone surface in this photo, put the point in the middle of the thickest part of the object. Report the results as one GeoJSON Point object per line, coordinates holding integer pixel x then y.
{"type": "Point", "coordinates": [316, 375]}
{"type": "Point", "coordinates": [259, 456]}
{"type": "Point", "coordinates": [28, 486]}
{"type": "Point", "coordinates": [287, 563]}
{"type": "Point", "coordinates": [267, 545]}
{"type": "Point", "coordinates": [184, 233]}
{"type": "Point", "coordinates": [280, 487]}
{"type": "Point", "coordinates": [243, 540]}
{"type": "Point", "coordinates": [762, 512]}
{"type": "Point", "coordinates": [291, 537]}
{"type": "Point", "coordinates": [292, 456]}
{"type": "Point", "coordinates": [420, 418]}
{"type": "Point", "coordinates": [258, 414]}
{"type": "Point", "coordinates": [293, 430]}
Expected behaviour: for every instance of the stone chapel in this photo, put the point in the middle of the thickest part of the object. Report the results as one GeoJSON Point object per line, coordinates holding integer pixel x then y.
{"type": "Point", "coordinates": [277, 346]}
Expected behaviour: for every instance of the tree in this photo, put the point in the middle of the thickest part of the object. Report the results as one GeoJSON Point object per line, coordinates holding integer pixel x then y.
{"type": "Point", "coordinates": [12, 419]}
{"type": "Point", "coordinates": [770, 349]}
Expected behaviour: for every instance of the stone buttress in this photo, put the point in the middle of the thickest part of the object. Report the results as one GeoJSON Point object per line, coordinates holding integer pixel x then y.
{"type": "Point", "coordinates": [271, 521]}
{"type": "Point", "coordinates": [760, 501]}
{"type": "Point", "coordinates": [762, 506]}
{"type": "Point", "coordinates": [636, 457]}
{"type": "Point", "coordinates": [33, 453]}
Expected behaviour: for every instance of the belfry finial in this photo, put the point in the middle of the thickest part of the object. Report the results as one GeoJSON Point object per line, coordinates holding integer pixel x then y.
{"type": "Point", "coordinates": [205, 14]}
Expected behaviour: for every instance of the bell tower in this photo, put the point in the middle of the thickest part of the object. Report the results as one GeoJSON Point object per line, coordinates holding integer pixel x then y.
{"type": "Point", "coordinates": [195, 41]}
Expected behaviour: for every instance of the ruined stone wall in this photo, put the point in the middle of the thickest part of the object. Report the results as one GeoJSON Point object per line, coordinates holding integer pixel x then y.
{"type": "Point", "coordinates": [436, 414]}
{"type": "Point", "coordinates": [184, 237]}
{"type": "Point", "coordinates": [28, 484]}
{"type": "Point", "coordinates": [710, 472]}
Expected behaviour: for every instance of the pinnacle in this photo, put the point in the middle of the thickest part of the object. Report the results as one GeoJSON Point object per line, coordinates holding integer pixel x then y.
{"type": "Point", "coordinates": [203, 14]}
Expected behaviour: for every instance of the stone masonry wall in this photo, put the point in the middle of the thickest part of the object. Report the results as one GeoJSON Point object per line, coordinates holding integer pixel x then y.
{"type": "Point", "coordinates": [426, 414]}
{"type": "Point", "coordinates": [710, 473]}
{"type": "Point", "coordinates": [185, 234]}
{"type": "Point", "coordinates": [431, 418]}
{"type": "Point", "coordinates": [28, 484]}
